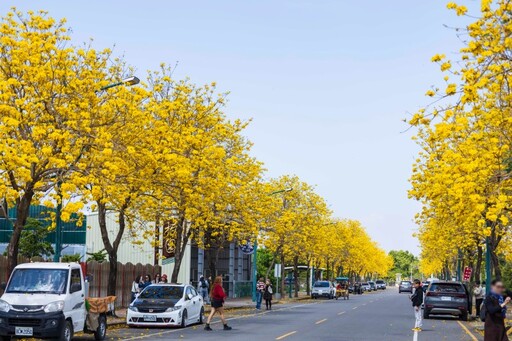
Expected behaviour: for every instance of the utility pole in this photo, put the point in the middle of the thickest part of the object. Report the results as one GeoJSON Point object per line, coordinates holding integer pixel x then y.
{"type": "Point", "coordinates": [487, 266]}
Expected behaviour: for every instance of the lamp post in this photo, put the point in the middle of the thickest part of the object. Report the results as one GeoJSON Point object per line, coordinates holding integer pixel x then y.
{"type": "Point", "coordinates": [255, 251]}
{"type": "Point", "coordinates": [58, 223]}
{"type": "Point", "coordinates": [487, 266]}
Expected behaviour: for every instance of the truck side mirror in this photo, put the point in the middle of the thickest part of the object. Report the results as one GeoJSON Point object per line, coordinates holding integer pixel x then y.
{"type": "Point", "coordinates": [3, 286]}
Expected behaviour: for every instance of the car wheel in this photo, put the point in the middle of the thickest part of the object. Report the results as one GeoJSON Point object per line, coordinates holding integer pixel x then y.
{"type": "Point", "coordinates": [426, 314]}
{"type": "Point", "coordinates": [101, 331]}
{"type": "Point", "coordinates": [201, 315]}
{"type": "Point", "coordinates": [67, 332]}
{"type": "Point", "coordinates": [464, 316]}
{"type": "Point", "coordinates": [184, 317]}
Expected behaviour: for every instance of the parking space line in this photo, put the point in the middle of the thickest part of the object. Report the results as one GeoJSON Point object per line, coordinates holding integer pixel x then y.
{"type": "Point", "coordinates": [415, 337]}
{"type": "Point", "coordinates": [354, 308]}
{"type": "Point", "coordinates": [341, 313]}
{"type": "Point", "coordinates": [285, 335]}
{"type": "Point", "coordinates": [321, 321]}
{"type": "Point", "coordinates": [473, 337]}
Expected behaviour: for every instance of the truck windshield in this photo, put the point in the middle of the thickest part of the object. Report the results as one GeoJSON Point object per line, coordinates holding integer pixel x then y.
{"type": "Point", "coordinates": [38, 281]}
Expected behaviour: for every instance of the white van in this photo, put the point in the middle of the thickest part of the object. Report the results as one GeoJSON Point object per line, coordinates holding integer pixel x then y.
{"type": "Point", "coordinates": [47, 301]}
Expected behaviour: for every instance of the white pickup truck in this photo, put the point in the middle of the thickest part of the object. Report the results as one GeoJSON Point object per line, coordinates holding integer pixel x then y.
{"type": "Point", "coordinates": [47, 301]}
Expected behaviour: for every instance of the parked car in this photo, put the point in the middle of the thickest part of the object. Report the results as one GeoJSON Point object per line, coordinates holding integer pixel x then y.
{"type": "Point", "coordinates": [323, 289]}
{"type": "Point", "coordinates": [48, 300]}
{"type": "Point", "coordinates": [166, 305]}
{"type": "Point", "coordinates": [405, 286]}
{"type": "Point", "coordinates": [351, 288]}
{"type": "Point", "coordinates": [365, 286]}
{"type": "Point", "coordinates": [380, 284]}
{"type": "Point", "coordinates": [446, 298]}
{"type": "Point", "coordinates": [373, 286]}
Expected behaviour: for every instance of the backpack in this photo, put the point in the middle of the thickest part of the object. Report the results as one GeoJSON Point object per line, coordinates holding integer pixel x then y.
{"type": "Point", "coordinates": [483, 311]}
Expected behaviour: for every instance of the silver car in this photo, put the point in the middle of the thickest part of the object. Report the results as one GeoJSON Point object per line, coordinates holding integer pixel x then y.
{"type": "Point", "coordinates": [405, 286]}
{"type": "Point", "coordinates": [323, 289]}
{"type": "Point", "coordinates": [366, 286]}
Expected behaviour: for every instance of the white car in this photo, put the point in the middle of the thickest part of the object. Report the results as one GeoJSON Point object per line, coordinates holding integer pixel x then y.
{"type": "Point", "coordinates": [165, 305]}
{"type": "Point", "coordinates": [323, 289]}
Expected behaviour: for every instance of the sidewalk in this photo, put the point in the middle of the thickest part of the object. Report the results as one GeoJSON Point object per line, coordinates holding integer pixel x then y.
{"type": "Point", "coordinates": [230, 304]}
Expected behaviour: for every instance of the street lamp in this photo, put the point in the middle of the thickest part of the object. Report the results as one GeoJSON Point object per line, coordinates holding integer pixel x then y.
{"type": "Point", "coordinates": [58, 223]}
{"type": "Point", "coordinates": [255, 252]}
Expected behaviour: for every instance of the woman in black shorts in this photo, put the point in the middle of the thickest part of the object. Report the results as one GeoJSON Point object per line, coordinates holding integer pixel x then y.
{"type": "Point", "coordinates": [217, 300]}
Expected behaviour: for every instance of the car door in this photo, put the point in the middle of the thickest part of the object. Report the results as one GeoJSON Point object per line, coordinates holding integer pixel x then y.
{"type": "Point", "coordinates": [77, 299]}
{"type": "Point", "coordinates": [191, 303]}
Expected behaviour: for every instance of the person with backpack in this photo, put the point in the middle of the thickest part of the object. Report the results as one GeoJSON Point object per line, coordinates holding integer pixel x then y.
{"type": "Point", "coordinates": [203, 289]}
{"type": "Point", "coordinates": [417, 301]}
{"type": "Point", "coordinates": [267, 294]}
{"type": "Point", "coordinates": [494, 311]}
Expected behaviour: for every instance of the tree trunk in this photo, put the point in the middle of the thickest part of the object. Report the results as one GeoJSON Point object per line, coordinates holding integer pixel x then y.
{"type": "Point", "coordinates": [111, 247]}
{"type": "Point", "coordinates": [181, 241]}
{"type": "Point", "coordinates": [22, 212]}
{"type": "Point", "coordinates": [296, 274]}
{"type": "Point", "coordinates": [308, 276]}
{"type": "Point", "coordinates": [478, 265]}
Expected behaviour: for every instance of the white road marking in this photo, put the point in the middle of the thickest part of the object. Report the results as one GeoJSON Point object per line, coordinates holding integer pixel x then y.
{"type": "Point", "coordinates": [321, 321]}
{"type": "Point", "coordinates": [341, 313]}
{"type": "Point", "coordinates": [147, 336]}
{"type": "Point", "coordinates": [285, 335]}
{"type": "Point", "coordinates": [415, 338]}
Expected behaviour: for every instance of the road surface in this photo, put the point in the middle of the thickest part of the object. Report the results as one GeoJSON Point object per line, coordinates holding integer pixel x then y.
{"type": "Point", "coordinates": [384, 315]}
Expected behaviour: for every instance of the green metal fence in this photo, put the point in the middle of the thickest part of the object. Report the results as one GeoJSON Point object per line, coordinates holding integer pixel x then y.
{"type": "Point", "coordinates": [243, 289]}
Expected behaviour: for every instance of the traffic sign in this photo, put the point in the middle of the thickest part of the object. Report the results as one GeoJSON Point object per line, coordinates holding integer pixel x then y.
{"type": "Point", "coordinates": [467, 273]}
{"type": "Point", "coordinates": [277, 270]}
{"type": "Point", "coordinates": [247, 248]}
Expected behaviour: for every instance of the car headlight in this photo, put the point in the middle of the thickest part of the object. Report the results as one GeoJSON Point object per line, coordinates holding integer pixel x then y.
{"type": "Point", "coordinates": [54, 307]}
{"type": "Point", "coordinates": [176, 307]}
{"type": "Point", "coordinates": [132, 308]}
{"type": "Point", "coordinates": [4, 306]}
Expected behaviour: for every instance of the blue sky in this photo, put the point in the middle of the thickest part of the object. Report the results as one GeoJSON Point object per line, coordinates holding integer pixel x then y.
{"type": "Point", "coordinates": [327, 83]}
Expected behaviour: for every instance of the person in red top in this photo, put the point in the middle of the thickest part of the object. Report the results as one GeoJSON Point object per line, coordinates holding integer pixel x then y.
{"type": "Point", "coordinates": [217, 299]}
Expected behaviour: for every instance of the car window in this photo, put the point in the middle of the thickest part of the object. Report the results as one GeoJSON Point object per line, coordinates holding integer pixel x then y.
{"type": "Point", "coordinates": [365, 284]}
{"type": "Point", "coordinates": [188, 292]}
{"type": "Point", "coordinates": [405, 283]}
{"type": "Point", "coordinates": [322, 284]}
{"type": "Point", "coordinates": [76, 279]}
{"type": "Point", "coordinates": [380, 282]}
{"type": "Point", "coordinates": [194, 292]}
{"type": "Point", "coordinates": [446, 287]}
{"type": "Point", "coordinates": [162, 292]}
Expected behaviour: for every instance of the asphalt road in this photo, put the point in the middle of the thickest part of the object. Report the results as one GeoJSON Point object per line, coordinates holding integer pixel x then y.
{"type": "Point", "coordinates": [379, 316]}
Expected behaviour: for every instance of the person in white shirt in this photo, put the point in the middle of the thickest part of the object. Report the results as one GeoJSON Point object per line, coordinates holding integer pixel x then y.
{"type": "Point", "coordinates": [479, 293]}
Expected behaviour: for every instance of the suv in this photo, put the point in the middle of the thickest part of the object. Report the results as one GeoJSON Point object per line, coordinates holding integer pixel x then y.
{"type": "Point", "coordinates": [323, 289]}
{"type": "Point", "coordinates": [373, 286]}
{"type": "Point", "coordinates": [447, 298]}
{"type": "Point", "coordinates": [380, 284]}
{"type": "Point", "coordinates": [365, 286]}
{"type": "Point", "coordinates": [405, 286]}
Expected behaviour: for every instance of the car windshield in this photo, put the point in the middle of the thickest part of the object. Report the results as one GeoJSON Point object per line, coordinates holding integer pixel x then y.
{"type": "Point", "coordinates": [406, 283]}
{"type": "Point", "coordinates": [38, 281]}
{"type": "Point", "coordinates": [322, 284]}
{"type": "Point", "coordinates": [162, 292]}
{"type": "Point", "coordinates": [366, 284]}
{"type": "Point", "coordinates": [380, 282]}
{"type": "Point", "coordinates": [446, 287]}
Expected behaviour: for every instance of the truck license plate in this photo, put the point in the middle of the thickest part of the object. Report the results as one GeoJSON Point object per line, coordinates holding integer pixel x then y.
{"type": "Point", "coordinates": [149, 318]}
{"type": "Point", "coordinates": [24, 331]}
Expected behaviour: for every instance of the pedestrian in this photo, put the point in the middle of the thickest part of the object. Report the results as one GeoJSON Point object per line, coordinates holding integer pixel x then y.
{"type": "Point", "coordinates": [479, 294]}
{"type": "Point", "coordinates": [218, 296]}
{"type": "Point", "coordinates": [417, 301]}
{"type": "Point", "coordinates": [163, 280]}
{"type": "Point", "coordinates": [495, 306]}
{"type": "Point", "coordinates": [146, 283]}
{"type": "Point", "coordinates": [203, 288]}
{"type": "Point", "coordinates": [260, 289]}
{"type": "Point", "coordinates": [157, 279]}
{"type": "Point", "coordinates": [267, 295]}
{"type": "Point", "coordinates": [136, 287]}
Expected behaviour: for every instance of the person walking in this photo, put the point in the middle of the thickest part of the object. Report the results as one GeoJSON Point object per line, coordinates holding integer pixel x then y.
{"type": "Point", "coordinates": [203, 288]}
{"type": "Point", "coordinates": [417, 301]}
{"type": "Point", "coordinates": [217, 298]}
{"type": "Point", "coordinates": [479, 294]}
{"type": "Point", "coordinates": [267, 294]}
{"type": "Point", "coordinates": [260, 289]}
{"type": "Point", "coordinates": [495, 312]}
{"type": "Point", "coordinates": [136, 287]}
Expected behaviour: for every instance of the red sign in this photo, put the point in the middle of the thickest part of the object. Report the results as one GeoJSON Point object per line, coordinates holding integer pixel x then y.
{"type": "Point", "coordinates": [467, 273]}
